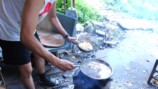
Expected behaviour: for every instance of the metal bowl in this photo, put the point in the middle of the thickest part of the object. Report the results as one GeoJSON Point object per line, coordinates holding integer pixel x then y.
{"type": "Point", "coordinates": [97, 69]}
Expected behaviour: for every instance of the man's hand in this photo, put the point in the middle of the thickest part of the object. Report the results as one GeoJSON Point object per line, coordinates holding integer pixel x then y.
{"type": "Point", "coordinates": [64, 65]}
{"type": "Point", "coordinates": [72, 39]}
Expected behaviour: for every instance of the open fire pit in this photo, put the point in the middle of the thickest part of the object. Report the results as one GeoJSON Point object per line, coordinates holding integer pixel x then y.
{"type": "Point", "coordinates": [80, 80]}
{"type": "Point", "coordinates": [93, 74]}
{"type": "Point", "coordinates": [83, 82]}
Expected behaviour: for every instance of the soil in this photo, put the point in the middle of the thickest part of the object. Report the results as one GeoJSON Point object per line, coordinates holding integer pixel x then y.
{"type": "Point", "coordinates": [132, 60]}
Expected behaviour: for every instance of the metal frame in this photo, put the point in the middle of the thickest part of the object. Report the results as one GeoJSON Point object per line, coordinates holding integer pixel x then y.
{"type": "Point", "coordinates": [152, 73]}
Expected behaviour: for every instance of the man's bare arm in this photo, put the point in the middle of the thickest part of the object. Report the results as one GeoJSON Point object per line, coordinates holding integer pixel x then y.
{"type": "Point", "coordinates": [57, 25]}
{"type": "Point", "coordinates": [28, 26]}
{"type": "Point", "coordinates": [55, 21]}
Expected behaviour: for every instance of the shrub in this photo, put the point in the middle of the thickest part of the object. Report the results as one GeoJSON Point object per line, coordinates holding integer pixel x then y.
{"type": "Point", "coordinates": [84, 10]}
{"type": "Point", "coordinates": [60, 6]}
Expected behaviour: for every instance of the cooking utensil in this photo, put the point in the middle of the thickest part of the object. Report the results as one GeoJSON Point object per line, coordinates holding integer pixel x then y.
{"type": "Point", "coordinates": [96, 69]}
{"type": "Point", "coordinates": [77, 65]}
{"type": "Point", "coordinates": [83, 46]}
{"type": "Point", "coordinates": [52, 40]}
{"type": "Point", "coordinates": [89, 80]}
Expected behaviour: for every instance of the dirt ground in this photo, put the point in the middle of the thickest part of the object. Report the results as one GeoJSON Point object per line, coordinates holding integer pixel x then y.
{"type": "Point", "coordinates": [132, 60]}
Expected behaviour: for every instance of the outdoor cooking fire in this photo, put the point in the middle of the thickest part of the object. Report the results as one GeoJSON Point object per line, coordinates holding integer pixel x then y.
{"type": "Point", "coordinates": [83, 82]}
{"type": "Point", "coordinates": [80, 80]}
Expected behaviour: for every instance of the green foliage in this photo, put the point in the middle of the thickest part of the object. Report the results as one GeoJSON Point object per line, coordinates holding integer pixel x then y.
{"type": "Point", "coordinates": [60, 5]}
{"type": "Point", "coordinates": [84, 10]}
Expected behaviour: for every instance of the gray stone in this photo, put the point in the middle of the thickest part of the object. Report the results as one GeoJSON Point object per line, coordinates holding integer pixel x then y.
{"type": "Point", "coordinates": [98, 25]}
{"type": "Point", "coordinates": [100, 32]}
{"type": "Point", "coordinates": [88, 27]}
{"type": "Point", "coordinates": [79, 28]}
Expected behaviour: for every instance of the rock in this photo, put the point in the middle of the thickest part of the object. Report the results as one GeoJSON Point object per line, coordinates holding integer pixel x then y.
{"type": "Point", "coordinates": [100, 39]}
{"type": "Point", "coordinates": [88, 27]}
{"type": "Point", "coordinates": [112, 26]}
{"type": "Point", "coordinates": [79, 28]}
{"type": "Point", "coordinates": [69, 87]}
{"type": "Point", "coordinates": [147, 61]}
{"type": "Point", "coordinates": [112, 42]}
{"type": "Point", "coordinates": [98, 25]}
{"type": "Point", "coordinates": [100, 32]}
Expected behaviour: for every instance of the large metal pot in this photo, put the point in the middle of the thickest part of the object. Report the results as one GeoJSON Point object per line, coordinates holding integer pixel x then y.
{"type": "Point", "coordinates": [90, 76]}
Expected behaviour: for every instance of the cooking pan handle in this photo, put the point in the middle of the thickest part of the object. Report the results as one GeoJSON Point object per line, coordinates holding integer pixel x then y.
{"type": "Point", "coordinates": [76, 72]}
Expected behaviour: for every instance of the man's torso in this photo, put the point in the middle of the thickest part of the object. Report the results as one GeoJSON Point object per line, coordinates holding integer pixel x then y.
{"type": "Point", "coordinates": [10, 17]}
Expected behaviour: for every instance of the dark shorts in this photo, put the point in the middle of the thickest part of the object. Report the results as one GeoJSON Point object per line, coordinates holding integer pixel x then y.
{"type": "Point", "coordinates": [15, 53]}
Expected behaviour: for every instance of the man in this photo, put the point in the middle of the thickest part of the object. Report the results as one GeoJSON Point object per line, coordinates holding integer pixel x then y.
{"type": "Point", "coordinates": [18, 21]}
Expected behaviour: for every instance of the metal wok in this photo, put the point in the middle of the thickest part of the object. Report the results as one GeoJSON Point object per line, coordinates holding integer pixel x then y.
{"type": "Point", "coordinates": [90, 78]}
{"type": "Point", "coordinates": [96, 69]}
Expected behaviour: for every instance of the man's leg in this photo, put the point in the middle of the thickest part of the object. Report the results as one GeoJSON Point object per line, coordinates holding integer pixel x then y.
{"type": "Point", "coordinates": [14, 53]}
{"type": "Point", "coordinates": [40, 66]}
{"type": "Point", "coordinates": [39, 62]}
{"type": "Point", "coordinates": [26, 75]}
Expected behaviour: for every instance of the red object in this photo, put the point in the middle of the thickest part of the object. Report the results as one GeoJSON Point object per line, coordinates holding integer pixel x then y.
{"type": "Point", "coordinates": [46, 9]}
